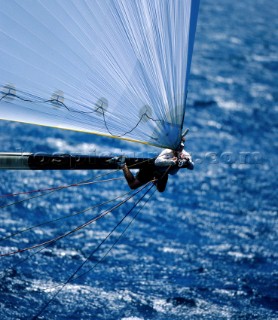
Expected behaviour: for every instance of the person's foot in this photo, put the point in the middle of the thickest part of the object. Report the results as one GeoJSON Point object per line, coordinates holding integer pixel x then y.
{"type": "Point", "coordinates": [119, 161]}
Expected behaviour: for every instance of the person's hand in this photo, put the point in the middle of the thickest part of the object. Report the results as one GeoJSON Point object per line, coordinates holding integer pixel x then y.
{"type": "Point", "coordinates": [181, 162]}
{"type": "Point", "coordinates": [184, 157]}
{"type": "Point", "coordinates": [173, 161]}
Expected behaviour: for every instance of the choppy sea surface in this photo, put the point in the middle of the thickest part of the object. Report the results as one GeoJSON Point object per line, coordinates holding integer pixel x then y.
{"type": "Point", "coordinates": [206, 248]}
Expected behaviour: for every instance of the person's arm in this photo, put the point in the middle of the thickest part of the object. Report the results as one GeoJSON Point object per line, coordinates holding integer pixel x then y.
{"type": "Point", "coordinates": [166, 158]}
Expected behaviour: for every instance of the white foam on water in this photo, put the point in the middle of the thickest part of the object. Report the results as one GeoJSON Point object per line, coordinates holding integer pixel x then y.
{"type": "Point", "coordinates": [105, 149]}
{"type": "Point", "coordinates": [262, 58]}
{"type": "Point", "coordinates": [239, 255]}
{"type": "Point", "coordinates": [228, 104]}
{"type": "Point", "coordinates": [61, 144]}
{"type": "Point", "coordinates": [230, 293]}
{"type": "Point", "coordinates": [258, 90]}
{"type": "Point", "coordinates": [235, 40]}
{"type": "Point", "coordinates": [172, 250]}
{"type": "Point", "coordinates": [224, 80]}
{"type": "Point", "coordinates": [214, 124]}
{"type": "Point", "coordinates": [159, 305]}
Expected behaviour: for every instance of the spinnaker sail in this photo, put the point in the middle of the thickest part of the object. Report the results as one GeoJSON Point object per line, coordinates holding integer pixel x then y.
{"type": "Point", "coordinates": [118, 68]}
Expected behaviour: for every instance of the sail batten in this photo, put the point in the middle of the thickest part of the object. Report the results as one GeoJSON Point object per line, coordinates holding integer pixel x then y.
{"type": "Point", "coordinates": [117, 68]}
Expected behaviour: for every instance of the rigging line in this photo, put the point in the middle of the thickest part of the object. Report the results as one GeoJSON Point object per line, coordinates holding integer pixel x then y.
{"type": "Point", "coordinates": [89, 257]}
{"type": "Point", "coordinates": [72, 276]}
{"type": "Point", "coordinates": [106, 238]}
{"type": "Point", "coordinates": [101, 215]}
{"type": "Point", "coordinates": [63, 187]}
{"type": "Point", "coordinates": [30, 198]}
{"type": "Point", "coordinates": [2, 273]}
{"type": "Point", "coordinates": [47, 245]}
{"type": "Point", "coordinates": [77, 184]}
{"type": "Point", "coordinates": [118, 239]}
{"type": "Point", "coordinates": [64, 217]}
{"type": "Point", "coordinates": [39, 250]}
{"type": "Point", "coordinates": [54, 190]}
{"type": "Point", "coordinates": [84, 182]}
{"type": "Point", "coordinates": [67, 216]}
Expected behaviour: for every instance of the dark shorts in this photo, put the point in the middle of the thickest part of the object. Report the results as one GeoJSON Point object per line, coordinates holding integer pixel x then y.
{"type": "Point", "coordinates": [147, 174]}
{"type": "Point", "coordinates": [162, 181]}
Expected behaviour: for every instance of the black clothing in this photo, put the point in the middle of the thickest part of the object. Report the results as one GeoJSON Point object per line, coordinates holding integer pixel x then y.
{"type": "Point", "coordinates": [147, 174]}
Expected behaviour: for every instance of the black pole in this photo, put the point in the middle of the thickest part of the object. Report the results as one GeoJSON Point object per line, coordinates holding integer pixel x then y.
{"type": "Point", "coordinates": [41, 161]}
{"type": "Point", "coordinates": [44, 161]}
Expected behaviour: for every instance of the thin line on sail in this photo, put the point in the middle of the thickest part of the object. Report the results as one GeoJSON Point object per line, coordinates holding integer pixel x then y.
{"type": "Point", "coordinates": [57, 100]}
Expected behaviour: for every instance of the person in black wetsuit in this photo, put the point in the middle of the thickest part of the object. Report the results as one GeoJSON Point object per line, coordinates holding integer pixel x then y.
{"type": "Point", "coordinates": [168, 162]}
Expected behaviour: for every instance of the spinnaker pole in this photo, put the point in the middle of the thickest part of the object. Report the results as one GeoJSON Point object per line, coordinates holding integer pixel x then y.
{"type": "Point", "coordinates": [44, 161]}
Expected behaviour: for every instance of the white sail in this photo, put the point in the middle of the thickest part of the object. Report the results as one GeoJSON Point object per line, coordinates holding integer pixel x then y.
{"type": "Point", "coordinates": [116, 67]}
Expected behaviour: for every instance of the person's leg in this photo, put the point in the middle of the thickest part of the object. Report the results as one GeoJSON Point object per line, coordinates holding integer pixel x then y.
{"type": "Point", "coordinates": [131, 180]}
{"type": "Point", "coordinates": [162, 182]}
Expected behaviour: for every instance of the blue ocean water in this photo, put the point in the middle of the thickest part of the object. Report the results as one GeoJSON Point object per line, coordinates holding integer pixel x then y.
{"type": "Point", "coordinates": [204, 249]}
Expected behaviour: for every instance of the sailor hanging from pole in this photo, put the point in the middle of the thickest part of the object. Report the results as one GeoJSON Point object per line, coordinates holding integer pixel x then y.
{"type": "Point", "coordinates": [168, 162]}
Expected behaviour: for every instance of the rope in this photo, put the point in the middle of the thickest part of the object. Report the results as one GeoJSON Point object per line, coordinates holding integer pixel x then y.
{"type": "Point", "coordinates": [101, 215]}
{"type": "Point", "coordinates": [64, 217]}
{"type": "Point", "coordinates": [89, 257]}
